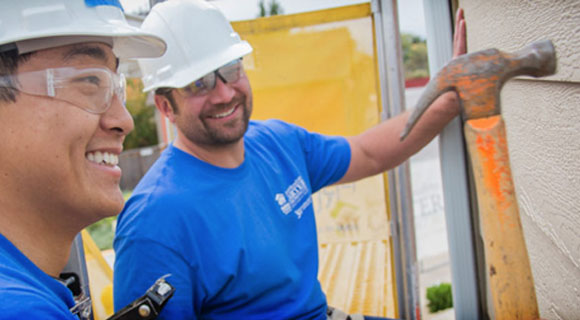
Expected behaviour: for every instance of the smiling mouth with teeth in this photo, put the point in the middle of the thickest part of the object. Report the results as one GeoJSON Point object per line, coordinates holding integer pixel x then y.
{"type": "Point", "coordinates": [224, 114]}
{"type": "Point", "coordinates": [103, 158]}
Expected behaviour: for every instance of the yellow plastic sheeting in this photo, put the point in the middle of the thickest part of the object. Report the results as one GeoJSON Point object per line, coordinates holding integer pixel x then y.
{"type": "Point", "coordinates": [318, 70]}
{"type": "Point", "coordinates": [316, 77]}
{"type": "Point", "coordinates": [100, 279]}
{"type": "Point", "coordinates": [357, 277]}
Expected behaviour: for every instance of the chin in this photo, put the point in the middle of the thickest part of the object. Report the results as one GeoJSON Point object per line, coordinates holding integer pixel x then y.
{"type": "Point", "coordinates": [111, 207]}
{"type": "Point", "coordinates": [115, 208]}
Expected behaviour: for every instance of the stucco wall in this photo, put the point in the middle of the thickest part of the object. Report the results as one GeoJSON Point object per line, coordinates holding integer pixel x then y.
{"type": "Point", "coordinates": [543, 127]}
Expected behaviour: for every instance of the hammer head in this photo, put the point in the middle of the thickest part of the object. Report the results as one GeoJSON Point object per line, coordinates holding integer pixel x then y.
{"type": "Point", "coordinates": [478, 77]}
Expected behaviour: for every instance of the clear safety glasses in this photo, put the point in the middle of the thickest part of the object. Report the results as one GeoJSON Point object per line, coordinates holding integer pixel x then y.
{"type": "Point", "coordinates": [228, 73]}
{"type": "Point", "coordinates": [91, 89]}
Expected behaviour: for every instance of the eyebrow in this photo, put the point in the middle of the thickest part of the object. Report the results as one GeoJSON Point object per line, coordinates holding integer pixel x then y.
{"type": "Point", "coordinates": [90, 51]}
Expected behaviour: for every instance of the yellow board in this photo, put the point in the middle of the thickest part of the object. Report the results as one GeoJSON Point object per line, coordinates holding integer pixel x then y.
{"type": "Point", "coordinates": [318, 70]}
{"type": "Point", "coordinates": [100, 279]}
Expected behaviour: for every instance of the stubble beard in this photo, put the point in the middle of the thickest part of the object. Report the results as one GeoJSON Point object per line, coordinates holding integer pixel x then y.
{"type": "Point", "coordinates": [217, 136]}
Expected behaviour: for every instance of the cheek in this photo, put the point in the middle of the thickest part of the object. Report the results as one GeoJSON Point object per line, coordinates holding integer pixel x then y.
{"type": "Point", "coordinates": [192, 107]}
{"type": "Point", "coordinates": [245, 87]}
{"type": "Point", "coordinates": [64, 135]}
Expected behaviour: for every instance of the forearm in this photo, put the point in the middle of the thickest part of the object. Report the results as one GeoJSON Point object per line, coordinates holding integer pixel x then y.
{"type": "Point", "coordinates": [379, 148]}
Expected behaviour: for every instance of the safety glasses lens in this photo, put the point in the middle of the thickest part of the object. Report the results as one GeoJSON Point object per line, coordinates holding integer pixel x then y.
{"type": "Point", "coordinates": [91, 89]}
{"type": "Point", "coordinates": [199, 86]}
{"type": "Point", "coordinates": [122, 89]}
{"type": "Point", "coordinates": [232, 71]}
{"type": "Point", "coordinates": [229, 73]}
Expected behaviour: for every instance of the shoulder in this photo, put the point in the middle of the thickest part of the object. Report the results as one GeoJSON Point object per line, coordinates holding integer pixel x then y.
{"type": "Point", "coordinates": [28, 302]}
{"type": "Point", "coordinates": [165, 186]}
{"type": "Point", "coordinates": [272, 126]}
{"type": "Point", "coordinates": [161, 168]}
{"type": "Point", "coordinates": [154, 207]}
{"type": "Point", "coordinates": [274, 129]}
{"type": "Point", "coordinates": [162, 208]}
{"type": "Point", "coordinates": [26, 292]}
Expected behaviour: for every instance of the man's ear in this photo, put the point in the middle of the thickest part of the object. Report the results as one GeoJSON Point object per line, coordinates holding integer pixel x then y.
{"type": "Point", "coordinates": [164, 106]}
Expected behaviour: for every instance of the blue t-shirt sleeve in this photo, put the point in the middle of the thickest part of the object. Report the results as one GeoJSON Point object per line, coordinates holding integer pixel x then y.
{"type": "Point", "coordinates": [139, 263]}
{"type": "Point", "coordinates": [327, 157]}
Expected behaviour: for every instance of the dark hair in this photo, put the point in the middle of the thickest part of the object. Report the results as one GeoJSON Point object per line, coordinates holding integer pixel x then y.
{"type": "Point", "coordinates": [9, 61]}
{"type": "Point", "coordinates": [167, 93]}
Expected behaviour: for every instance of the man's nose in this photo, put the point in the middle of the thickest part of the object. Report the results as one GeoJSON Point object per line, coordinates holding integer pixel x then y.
{"type": "Point", "coordinates": [222, 93]}
{"type": "Point", "coordinates": [117, 118]}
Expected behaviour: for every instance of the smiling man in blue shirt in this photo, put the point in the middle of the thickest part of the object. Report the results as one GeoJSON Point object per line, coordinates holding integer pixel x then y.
{"type": "Point", "coordinates": [227, 209]}
{"type": "Point", "coordinates": [62, 125]}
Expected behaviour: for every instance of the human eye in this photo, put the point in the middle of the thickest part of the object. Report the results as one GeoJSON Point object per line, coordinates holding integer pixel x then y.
{"type": "Point", "coordinates": [90, 79]}
{"type": "Point", "coordinates": [85, 82]}
{"type": "Point", "coordinates": [196, 87]}
{"type": "Point", "coordinates": [90, 83]}
{"type": "Point", "coordinates": [231, 73]}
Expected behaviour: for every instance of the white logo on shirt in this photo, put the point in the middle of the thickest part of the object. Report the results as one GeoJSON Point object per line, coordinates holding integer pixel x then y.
{"type": "Point", "coordinates": [292, 197]}
{"type": "Point", "coordinates": [286, 208]}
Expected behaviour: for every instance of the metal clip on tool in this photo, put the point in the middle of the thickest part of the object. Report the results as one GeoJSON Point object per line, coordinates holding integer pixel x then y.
{"type": "Point", "coordinates": [149, 305]}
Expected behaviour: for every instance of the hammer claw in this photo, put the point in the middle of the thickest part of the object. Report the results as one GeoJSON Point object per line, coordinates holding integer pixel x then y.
{"type": "Point", "coordinates": [432, 91]}
{"type": "Point", "coordinates": [477, 78]}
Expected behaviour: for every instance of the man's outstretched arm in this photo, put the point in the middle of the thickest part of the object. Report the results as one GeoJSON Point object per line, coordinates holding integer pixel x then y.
{"type": "Point", "coordinates": [379, 148]}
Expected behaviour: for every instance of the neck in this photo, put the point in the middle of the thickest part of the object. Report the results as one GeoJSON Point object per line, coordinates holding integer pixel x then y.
{"type": "Point", "coordinates": [39, 235]}
{"type": "Point", "coordinates": [224, 156]}
{"type": "Point", "coordinates": [48, 250]}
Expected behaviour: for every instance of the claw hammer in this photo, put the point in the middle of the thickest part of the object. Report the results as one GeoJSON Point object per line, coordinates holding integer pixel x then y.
{"type": "Point", "coordinates": [477, 79]}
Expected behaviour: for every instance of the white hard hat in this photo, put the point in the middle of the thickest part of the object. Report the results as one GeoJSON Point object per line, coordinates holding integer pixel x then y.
{"type": "Point", "coordinates": [31, 25]}
{"type": "Point", "coordinates": [199, 40]}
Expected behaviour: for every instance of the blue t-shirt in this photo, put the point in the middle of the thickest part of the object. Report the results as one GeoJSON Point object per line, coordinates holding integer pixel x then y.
{"type": "Point", "coordinates": [239, 243]}
{"type": "Point", "coordinates": [26, 292]}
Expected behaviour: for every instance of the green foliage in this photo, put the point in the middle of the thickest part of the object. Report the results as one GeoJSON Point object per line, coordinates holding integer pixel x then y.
{"type": "Point", "coordinates": [145, 132]}
{"type": "Point", "coordinates": [262, 7]}
{"type": "Point", "coordinates": [103, 232]}
{"type": "Point", "coordinates": [440, 297]}
{"type": "Point", "coordinates": [415, 60]}
{"type": "Point", "coordinates": [274, 8]}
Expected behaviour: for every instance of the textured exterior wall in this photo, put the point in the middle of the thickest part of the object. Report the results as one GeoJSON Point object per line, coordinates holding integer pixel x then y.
{"type": "Point", "coordinates": [543, 127]}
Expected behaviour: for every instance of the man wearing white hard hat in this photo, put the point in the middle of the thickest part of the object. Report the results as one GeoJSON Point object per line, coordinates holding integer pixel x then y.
{"type": "Point", "coordinates": [227, 208]}
{"type": "Point", "coordinates": [62, 125]}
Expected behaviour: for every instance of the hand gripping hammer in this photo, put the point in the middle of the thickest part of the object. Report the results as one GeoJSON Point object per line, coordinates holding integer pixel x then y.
{"type": "Point", "coordinates": [477, 78]}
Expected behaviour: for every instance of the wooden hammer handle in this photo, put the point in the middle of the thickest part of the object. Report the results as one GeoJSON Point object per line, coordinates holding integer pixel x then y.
{"type": "Point", "coordinates": [507, 265]}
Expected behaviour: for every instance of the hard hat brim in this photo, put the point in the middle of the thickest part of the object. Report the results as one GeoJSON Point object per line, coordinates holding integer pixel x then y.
{"type": "Point", "coordinates": [35, 28]}
{"type": "Point", "coordinates": [127, 44]}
